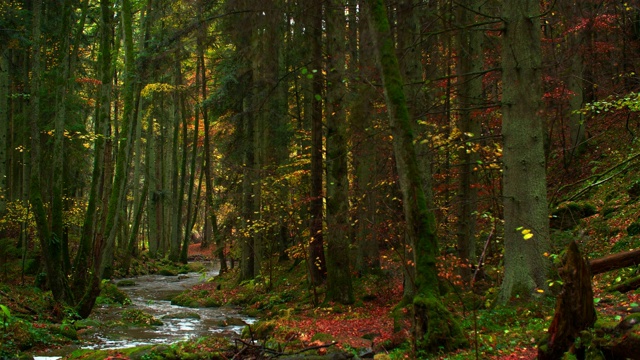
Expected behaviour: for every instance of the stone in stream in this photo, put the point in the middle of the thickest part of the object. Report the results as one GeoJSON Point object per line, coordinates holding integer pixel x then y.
{"type": "Point", "coordinates": [231, 322]}
{"type": "Point", "coordinates": [182, 315]}
{"type": "Point", "coordinates": [126, 283]}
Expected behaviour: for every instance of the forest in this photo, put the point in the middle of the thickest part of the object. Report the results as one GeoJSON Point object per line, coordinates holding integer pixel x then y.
{"type": "Point", "coordinates": [387, 179]}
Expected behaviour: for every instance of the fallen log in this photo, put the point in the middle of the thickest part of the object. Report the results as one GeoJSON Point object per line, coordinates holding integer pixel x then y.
{"type": "Point", "coordinates": [574, 306]}
{"type": "Point", "coordinates": [614, 261]}
{"type": "Point", "coordinates": [627, 285]}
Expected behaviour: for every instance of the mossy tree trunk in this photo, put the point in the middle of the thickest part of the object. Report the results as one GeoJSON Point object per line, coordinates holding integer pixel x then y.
{"type": "Point", "coordinates": [434, 326]}
{"type": "Point", "coordinates": [339, 286]}
{"type": "Point", "coordinates": [524, 168]}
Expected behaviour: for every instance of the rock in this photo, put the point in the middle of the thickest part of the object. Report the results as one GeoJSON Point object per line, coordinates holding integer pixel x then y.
{"type": "Point", "coordinates": [366, 353]}
{"type": "Point", "coordinates": [126, 283]}
{"type": "Point", "coordinates": [182, 315]}
{"type": "Point", "coordinates": [231, 322]}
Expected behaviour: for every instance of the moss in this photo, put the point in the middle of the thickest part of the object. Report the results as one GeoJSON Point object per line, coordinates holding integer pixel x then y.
{"type": "Point", "coordinates": [109, 294]}
{"type": "Point", "coordinates": [182, 315]}
{"type": "Point", "coordinates": [231, 322]}
{"type": "Point", "coordinates": [440, 331]}
{"type": "Point", "coordinates": [167, 272]}
{"type": "Point", "coordinates": [196, 266]}
{"type": "Point", "coordinates": [137, 317]}
{"type": "Point", "coordinates": [323, 338]}
{"type": "Point", "coordinates": [126, 283]}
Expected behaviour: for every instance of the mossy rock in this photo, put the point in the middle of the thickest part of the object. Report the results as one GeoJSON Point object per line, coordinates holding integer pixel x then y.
{"type": "Point", "coordinates": [567, 216]}
{"type": "Point", "coordinates": [196, 266]}
{"type": "Point", "coordinates": [138, 317]}
{"type": "Point", "coordinates": [126, 283]}
{"type": "Point", "coordinates": [167, 272]}
{"type": "Point", "coordinates": [185, 299]}
{"type": "Point", "coordinates": [182, 315]}
{"type": "Point", "coordinates": [111, 294]}
{"type": "Point", "coordinates": [231, 322]}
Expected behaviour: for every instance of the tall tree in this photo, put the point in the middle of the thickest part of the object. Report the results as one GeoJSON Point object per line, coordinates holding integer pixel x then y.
{"type": "Point", "coordinates": [470, 98]}
{"type": "Point", "coordinates": [524, 167]}
{"type": "Point", "coordinates": [339, 287]}
{"type": "Point", "coordinates": [317, 262]}
{"type": "Point", "coordinates": [4, 127]}
{"type": "Point", "coordinates": [433, 325]}
{"type": "Point", "coordinates": [365, 156]}
{"type": "Point", "coordinates": [125, 143]}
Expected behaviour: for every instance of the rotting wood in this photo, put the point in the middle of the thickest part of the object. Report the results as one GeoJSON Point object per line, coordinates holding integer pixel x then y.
{"type": "Point", "coordinates": [574, 311]}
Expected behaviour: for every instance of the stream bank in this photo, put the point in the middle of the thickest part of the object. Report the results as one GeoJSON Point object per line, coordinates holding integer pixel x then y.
{"type": "Point", "coordinates": [151, 318]}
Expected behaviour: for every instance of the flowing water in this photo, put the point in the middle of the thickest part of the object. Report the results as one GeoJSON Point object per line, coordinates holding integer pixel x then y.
{"type": "Point", "coordinates": [151, 294]}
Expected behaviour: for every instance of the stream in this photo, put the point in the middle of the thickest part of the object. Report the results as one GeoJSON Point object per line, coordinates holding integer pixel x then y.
{"type": "Point", "coordinates": [151, 294]}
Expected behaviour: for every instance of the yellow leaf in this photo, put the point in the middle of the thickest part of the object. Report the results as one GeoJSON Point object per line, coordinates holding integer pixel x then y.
{"type": "Point", "coordinates": [525, 231]}
{"type": "Point", "coordinates": [528, 236]}
{"type": "Point", "coordinates": [540, 291]}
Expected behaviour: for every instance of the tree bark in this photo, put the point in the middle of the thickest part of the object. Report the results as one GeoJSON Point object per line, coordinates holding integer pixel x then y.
{"type": "Point", "coordinates": [524, 168]}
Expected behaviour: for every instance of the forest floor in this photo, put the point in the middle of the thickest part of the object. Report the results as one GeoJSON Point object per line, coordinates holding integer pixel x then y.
{"type": "Point", "coordinates": [294, 316]}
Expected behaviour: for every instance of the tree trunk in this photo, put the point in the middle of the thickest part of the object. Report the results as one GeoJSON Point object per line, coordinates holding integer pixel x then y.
{"type": "Point", "coordinates": [365, 156]}
{"type": "Point", "coordinates": [470, 95]}
{"type": "Point", "coordinates": [177, 176]}
{"type": "Point", "coordinates": [524, 173]}
{"type": "Point", "coordinates": [339, 286]}
{"type": "Point", "coordinates": [317, 262]}
{"type": "Point", "coordinates": [247, 269]}
{"type": "Point", "coordinates": [125, 142]}
{"type": "Point", "coordinates": [434, 327]}
{"type": "Point", "coordinates": [4, 126]}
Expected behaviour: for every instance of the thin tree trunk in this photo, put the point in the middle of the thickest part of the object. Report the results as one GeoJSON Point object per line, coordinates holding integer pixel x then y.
{"type": "Point", "coordinates": [177, 181]}
{"type": "Point", "coordinates": [470, 95]}
{"type": "Point", "coordinates": [4, 126]}
{"type": "Point", "coordinates": [339, 285]}
{"type": "Point", "coordinates": [125, 142]}
{"type": "Point", "coordinates": [317, 262]}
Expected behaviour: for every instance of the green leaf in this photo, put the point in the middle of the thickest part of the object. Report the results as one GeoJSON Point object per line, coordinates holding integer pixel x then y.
{"type": "Point", "coordinates": [5, 310]}
{"type": "Point", "coordinates": [318, 97]}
